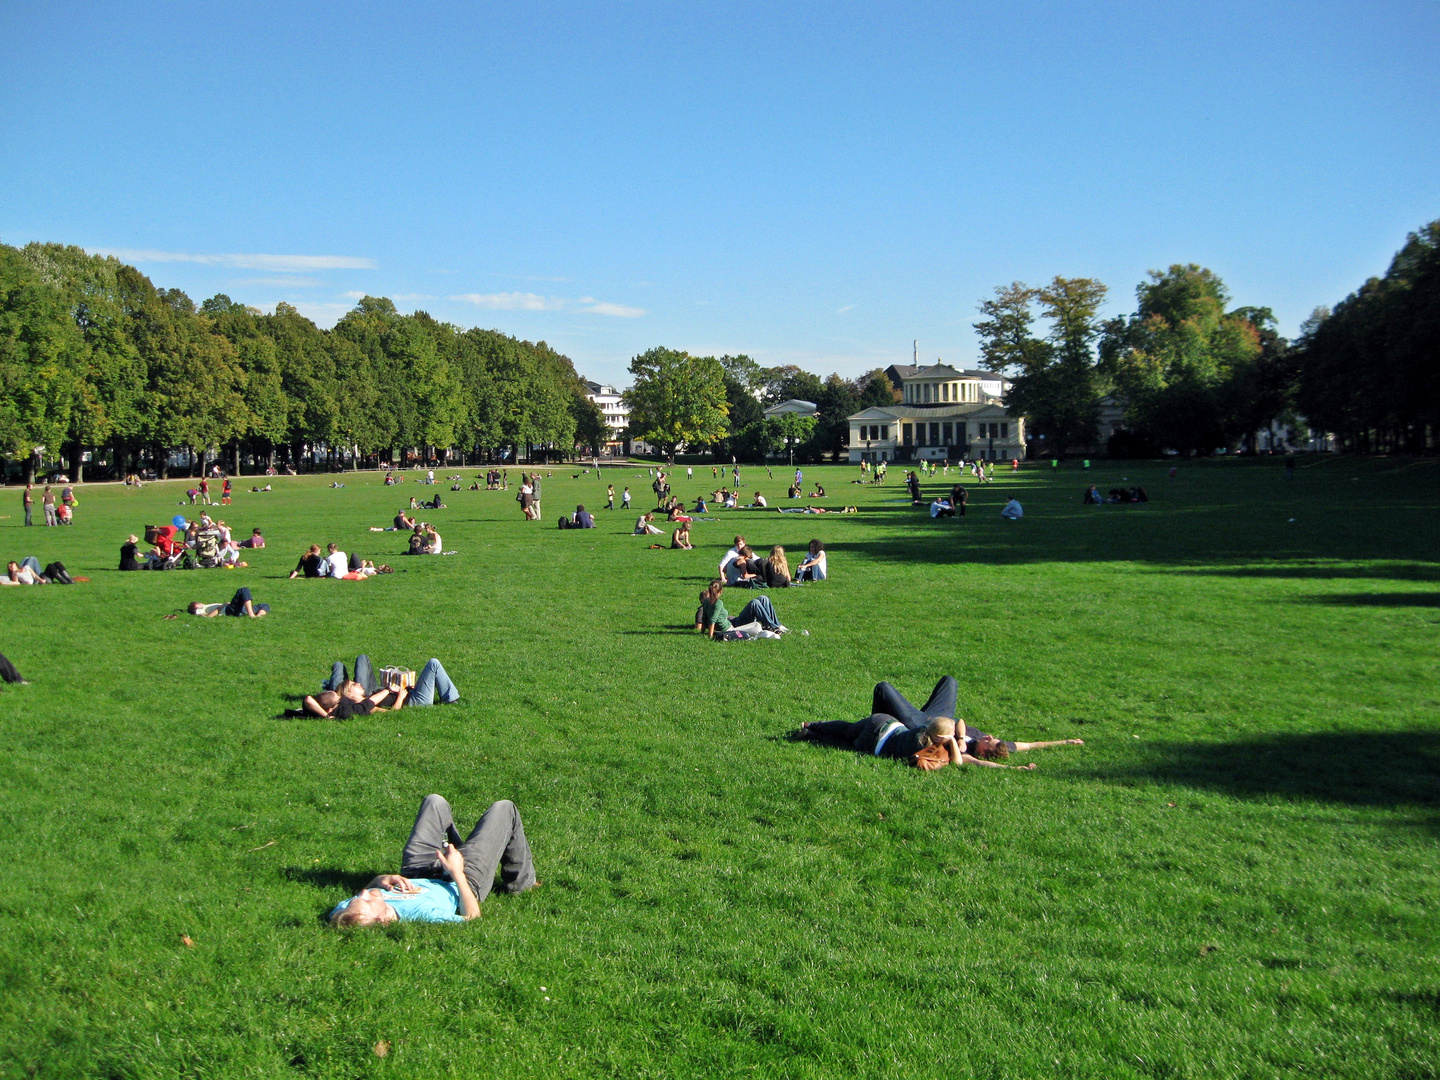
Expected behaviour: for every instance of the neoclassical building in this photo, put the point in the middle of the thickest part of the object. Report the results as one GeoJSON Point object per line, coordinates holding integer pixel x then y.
{"type": "Point", "coordinates": [943, 413]}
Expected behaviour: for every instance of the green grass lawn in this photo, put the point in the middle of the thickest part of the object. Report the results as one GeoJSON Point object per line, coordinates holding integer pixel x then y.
{"type": "Point", "coordinates": [1236, 876]}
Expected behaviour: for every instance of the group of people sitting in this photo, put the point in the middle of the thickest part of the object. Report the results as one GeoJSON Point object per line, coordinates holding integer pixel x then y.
{"type": "Point", "coordinates": [929, 737]}
{"type": "Point", "coordinates": [28, 572]}
{"type": "Point", "coordinates": [1093, 497]}
{"type": "Point", "coordinates": [741, 567]}
{"type": "Point", "coordinates": [201, 543]}
{"type": "Point", "coordinates": [431, 504]}
{"type": "Point", "coordinates": [795, 489]}
{"type": "Point", "coordinates": [334, 563]}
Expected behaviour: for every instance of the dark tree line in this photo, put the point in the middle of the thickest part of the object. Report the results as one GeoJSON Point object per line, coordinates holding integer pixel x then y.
{"type": "Point", "coordinates": [1369, 370]}
{"type": "Point", "coordinates": [95, 359]}
{"type": "Point", "coordinates": [1192, 374]}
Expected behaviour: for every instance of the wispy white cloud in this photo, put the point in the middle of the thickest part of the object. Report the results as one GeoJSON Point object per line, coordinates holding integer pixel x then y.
{"type": "Point", "coordinates": [283, 264]}
{"type": "Point", "coordinates": [620, 311]}
{"type": "Point", "coordinates": [841, 311]}
{"type": "Point", "coordinates": [526, 301]}
{"type": "Point", "coordinates": [512, 301]}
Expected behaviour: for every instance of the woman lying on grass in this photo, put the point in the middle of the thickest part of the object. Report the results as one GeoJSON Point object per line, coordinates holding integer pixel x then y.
{"type": "Point", "coordinates": [419, 893]}
{"type": "Point", "coordinates": [975, 747]}
{"type": "Point", "coordinates": [884, 736]}
{"type": "Point", "coordinates": [756, 619]}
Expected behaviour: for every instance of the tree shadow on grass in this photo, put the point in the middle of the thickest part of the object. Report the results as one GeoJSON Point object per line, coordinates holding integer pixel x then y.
{"type": "Point", "coordinates": [1387, 599]}
{"type": "Point", "coordinates": [327, 877]}
{"type": "Point", "coordinates": [1398, 769]}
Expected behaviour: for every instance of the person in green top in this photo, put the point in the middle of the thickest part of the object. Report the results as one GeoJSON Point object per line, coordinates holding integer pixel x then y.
{"type": "Point", "coordinates": [756, 619]}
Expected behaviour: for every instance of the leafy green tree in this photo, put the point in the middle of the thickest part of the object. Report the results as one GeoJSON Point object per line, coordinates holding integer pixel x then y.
{"type": "Point", "coordinates": [41, 351]}
{"type": "Point", "coordinates": [837, 401]}
{"type": "Point", "coordinates": [1053, 382]}
{"type": "Point", "coordinates": [258, 357]}
{"type": "Point", "coordinates": [874, 388]}
{"type": "Point", "coordinates": [784, 383]}
{"type": "Point", "coordinates": [677, 399]}
{"type": "Point", "coordinates": [591, 431]}
{"type": "Point", "coordinates": [1179, 360]}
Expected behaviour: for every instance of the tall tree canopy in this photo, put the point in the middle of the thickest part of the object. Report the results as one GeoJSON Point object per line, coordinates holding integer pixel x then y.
{"type": "Point", "coordinates": [677, 399]}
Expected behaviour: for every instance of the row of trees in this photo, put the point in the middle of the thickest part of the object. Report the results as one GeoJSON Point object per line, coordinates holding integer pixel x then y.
{"type": "Point", "coordinates": [1369, 370]}
{"type": "Point", "coordinates": [717, 405]}
{"type": "Point", "coordinates": [95, 359]}
{"type": "Point", "coordinates": [1190, 374]}
{"type": "Point", "coordinates": [1193, 374]}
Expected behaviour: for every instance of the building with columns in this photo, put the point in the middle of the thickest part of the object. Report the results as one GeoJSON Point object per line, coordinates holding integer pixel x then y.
{"type": "Point", "coordinates": [943, 413]}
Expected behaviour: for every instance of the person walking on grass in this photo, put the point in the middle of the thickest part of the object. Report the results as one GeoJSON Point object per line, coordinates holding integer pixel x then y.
{"type": "Point", "coordinates": [625, 500]}
{"type": "Point", "coordinates": [610, 497]}
{"type": "Point", "coordinates": [47, 503]}
{"type": "Point", "coordinates": [225, 492]}
{"type": "Point", "coordinates": [421, 893]}
{"type": "Point", "coordinates": [28, 501]}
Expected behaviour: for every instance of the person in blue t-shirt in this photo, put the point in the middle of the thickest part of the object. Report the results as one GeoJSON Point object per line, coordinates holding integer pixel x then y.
{"type": "Point", "coordinates": [421, 894]}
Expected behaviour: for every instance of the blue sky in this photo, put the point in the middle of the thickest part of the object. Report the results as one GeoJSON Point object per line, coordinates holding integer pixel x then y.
{"type": "Point", "coordinates": [810, 184]}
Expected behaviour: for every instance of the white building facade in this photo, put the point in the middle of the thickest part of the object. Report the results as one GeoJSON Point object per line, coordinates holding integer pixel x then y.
{"type": "Point", "coordinates": [944, 414]}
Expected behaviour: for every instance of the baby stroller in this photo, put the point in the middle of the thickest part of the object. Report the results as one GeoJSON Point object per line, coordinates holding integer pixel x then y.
{"type": "Point", "coordinates": [207, 549]}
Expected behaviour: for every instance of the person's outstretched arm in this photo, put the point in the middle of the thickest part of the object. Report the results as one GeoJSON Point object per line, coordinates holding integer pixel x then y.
{"type": "Point", "coordinates": [314, 707]}
{"type": "Point", "coordinates": [454, 864]}
{"type": "Point", "coordinates": [970, 759]}
{"type": "Point", "coordinates": [1025, 747]}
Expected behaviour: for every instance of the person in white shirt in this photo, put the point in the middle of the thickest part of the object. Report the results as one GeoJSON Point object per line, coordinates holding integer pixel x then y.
{"type": "Point", "coordinates": [813, 568]}
{"type": "Point", "coordinates": [339, 562]}
{"type": "Point", "coordinates": [433, 546]}
{"type": "Point", "coordinates": [732, 554]}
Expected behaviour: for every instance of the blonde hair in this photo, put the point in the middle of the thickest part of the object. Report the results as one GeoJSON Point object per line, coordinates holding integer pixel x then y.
{"type": "Point", "coordinates": [777, 560]}
{"type": "Point", "coordinates": [351, 916]}
{"type": "Point", "coordinates": [938, 730]}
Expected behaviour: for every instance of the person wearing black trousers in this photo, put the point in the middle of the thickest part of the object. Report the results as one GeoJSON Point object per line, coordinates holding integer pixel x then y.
{"type": "Point", "coordinates": [9, 674]}
{"type": "Point", "coordinates": [886, 699]}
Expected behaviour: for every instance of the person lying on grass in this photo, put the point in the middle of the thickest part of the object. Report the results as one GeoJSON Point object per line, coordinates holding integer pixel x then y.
{"type": "Point", "coordinates": [978, 747]}
{"type": "Point", "coordinates": [420, 893]}
{"type": "Point", "coordinates": [756, 619]}
{"type": "Point", "coordinates": [240, 604]}
{"type": "Point", "coordinates": [884, 736]}
{"type": "Point", "coordinates": [364, 696]}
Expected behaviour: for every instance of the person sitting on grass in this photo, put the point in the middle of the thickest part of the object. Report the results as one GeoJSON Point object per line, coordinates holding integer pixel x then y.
{"type": "Point", "coordinates": [129, 559]}
{"type": "Point", "coordinates": [744, 572]}
{"type": "Point", "coordinates": [402, 522]}
{"type": "Point", "coordinates": [677, 513]}
{"type": "Point", "coordinates": [1013, 510]}
{"type": "Point", "coordinates": [431, 683]}
{"type": "Point", "coordinates": [813, 568]}
{"type": "Point", "coordinates": [432, 545]}
{"type": "Point", "coordinates": [818, 493]}
{"type": "Point", "coordinates": [255, 540]}
{"type": "Point", "coordinates": [420, 893]}
{"type": "Point", "coordinates": [645, 526]}
{"type": "Point", "coordinates": [759, 503]}
{"type": "Point", "coordinates": [338, 563]}
{"type": "Point", "coordinates": [774, 571]}
{"type": "Point", "coordinates": [240, 604]}
{"type": "Point", "coordinates": [680, 538]}
{"type": "Point", "coordinates": [756, 619]}
{"type": "Point", "coordinates": [583, 519]}
{"type": "Point", "coordinates": [700, 505]}
{"type": "Point", "coordinates": [977, 747]}
{"type": "Point", "coordinates": [312, 564]}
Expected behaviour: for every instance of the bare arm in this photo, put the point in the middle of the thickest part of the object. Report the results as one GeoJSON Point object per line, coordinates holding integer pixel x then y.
{"type": "Point", "coordinates": [970, 759]}
{"type": "Point", "coordinates": [454, 864]}
{"type": "Point", "coordinates": [1025, 747]}
{"type": "Point", "coordinates": [314, 707]}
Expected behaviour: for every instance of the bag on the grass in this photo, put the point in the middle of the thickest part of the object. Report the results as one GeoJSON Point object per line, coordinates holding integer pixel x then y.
{"type": "Point", "coordinates": [396, 678]}
{"type": "Point", "coordinates": [931, 758]}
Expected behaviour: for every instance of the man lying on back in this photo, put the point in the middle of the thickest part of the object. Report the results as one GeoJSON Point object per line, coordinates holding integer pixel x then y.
{"type": "Point", "coordinates": [421, 893]}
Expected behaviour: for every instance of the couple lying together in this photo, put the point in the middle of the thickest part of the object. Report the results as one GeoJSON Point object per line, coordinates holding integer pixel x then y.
{"type": "Point", "coordinates": [341, 698]}
{"type": "Point", "coordinates": [898, 729]}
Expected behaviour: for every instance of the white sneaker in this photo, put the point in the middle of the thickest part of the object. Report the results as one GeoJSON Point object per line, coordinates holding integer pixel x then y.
{"type": "Point", "coordinates": [782, 629]}
{"type": "Point", "coordinates": [770, 634]}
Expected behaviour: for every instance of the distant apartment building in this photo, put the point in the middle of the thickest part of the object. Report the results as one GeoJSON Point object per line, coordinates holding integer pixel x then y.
{"type": "Point", "coordinates": [617, 418]}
